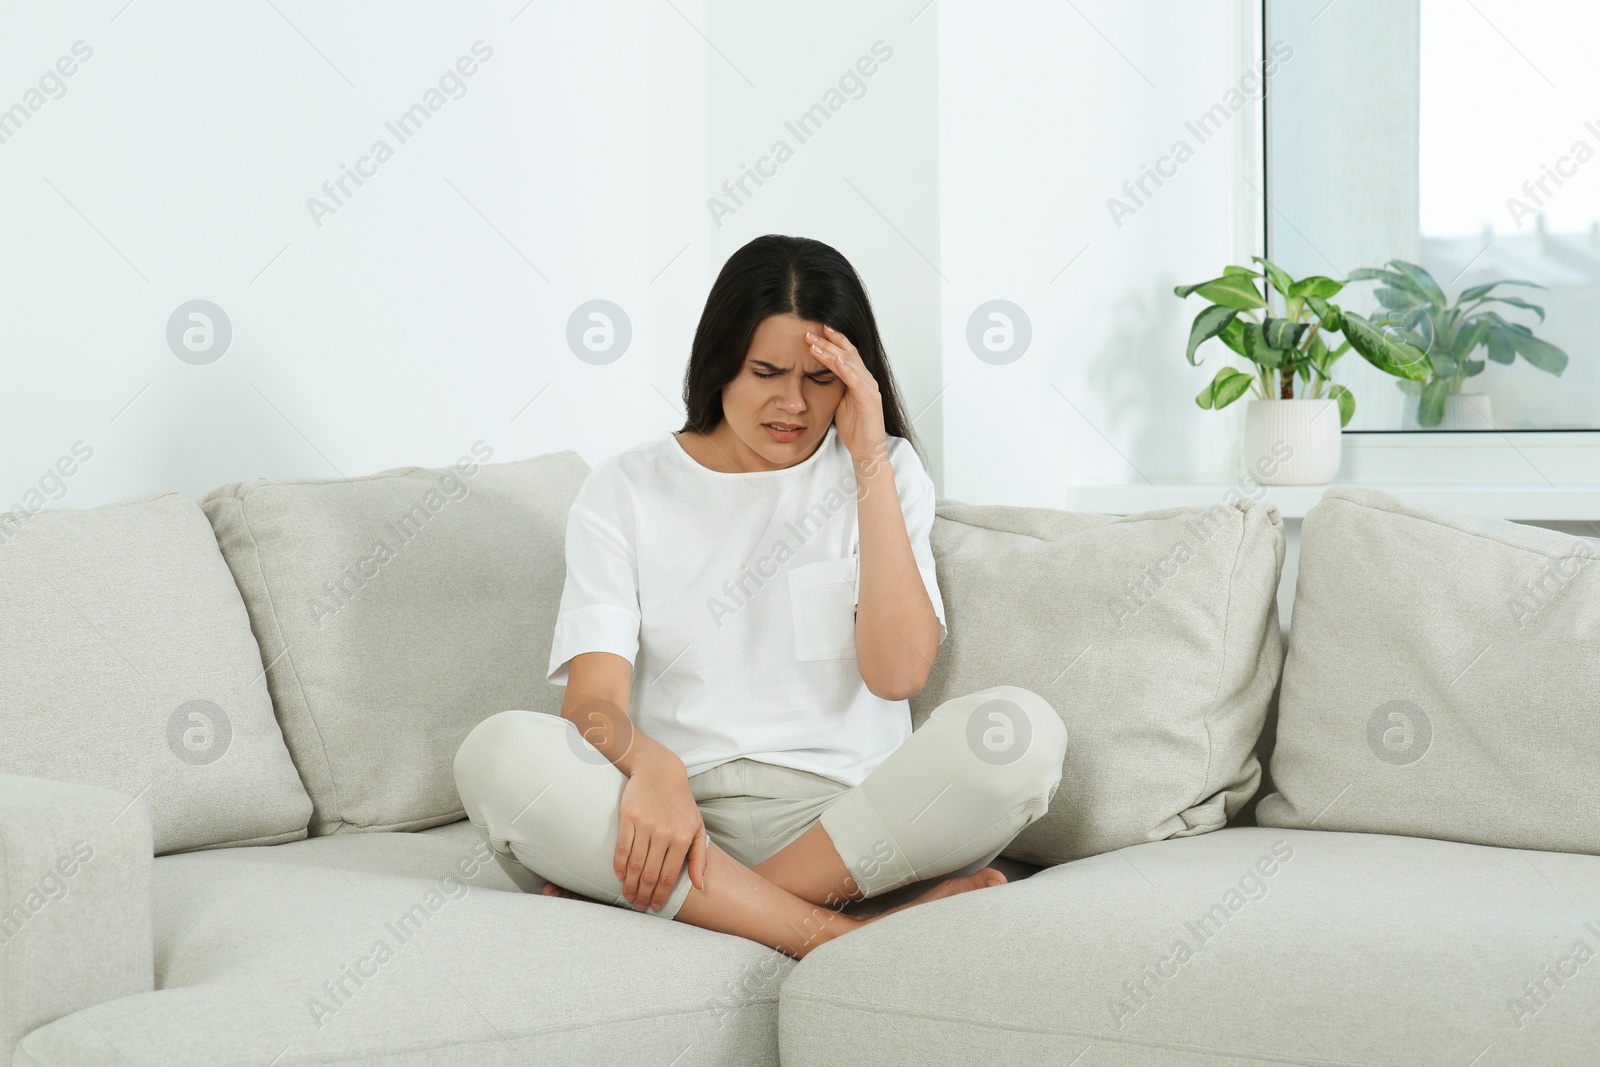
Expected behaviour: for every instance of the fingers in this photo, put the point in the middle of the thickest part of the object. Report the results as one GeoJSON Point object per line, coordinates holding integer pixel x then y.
{"type": "Point", "coordinates": [839, 340]}
{"type": "Point", "coordinates": [831, 348]}
{"type": "Point", "coordinates": [651, 874]}
{"type": "Point", "coordinates": [699, 853]}
{"type": "Point", "coordinates": [671, 865]}
{"type": "Point", "coordinates": [619, 858]}
{"type": "Point", "coordinates": [625, 864]}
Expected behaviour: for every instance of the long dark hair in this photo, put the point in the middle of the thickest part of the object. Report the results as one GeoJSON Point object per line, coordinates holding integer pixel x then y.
{"type": "Point", "coordinates": [775, 275]}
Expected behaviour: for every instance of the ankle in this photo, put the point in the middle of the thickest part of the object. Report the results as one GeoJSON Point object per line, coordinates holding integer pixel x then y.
{"type": "Point", "coordinates": [823, 925]}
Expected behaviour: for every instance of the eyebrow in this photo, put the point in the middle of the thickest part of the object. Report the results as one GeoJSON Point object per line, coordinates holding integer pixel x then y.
{"type": "Point", "coordinates": [774, 366]}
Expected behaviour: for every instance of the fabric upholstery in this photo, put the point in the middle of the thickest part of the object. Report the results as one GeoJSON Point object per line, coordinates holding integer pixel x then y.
{"type": "Point", "coordinates": [416, 949]}
{"type": "Point", "coordinates": [396, 612]}
{"type": "Point", "coordinates": [1443, 678]}
{"type": "Point", "coordinates": [75, 925]}
{"type": "Point", "coordinates": [127, 662]}
{"type": "Point", "coordinates": [1246, 946]}
{"type": "Point", "coordinates": [1156, 638]}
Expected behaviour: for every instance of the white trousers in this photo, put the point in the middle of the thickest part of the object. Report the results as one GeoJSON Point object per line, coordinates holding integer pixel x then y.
{"type": "Point", "coordinates": [948, 800]}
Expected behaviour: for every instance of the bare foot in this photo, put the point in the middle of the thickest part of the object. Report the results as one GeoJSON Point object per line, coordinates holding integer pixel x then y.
{"type": "Point", "coordinates": [965, 883]}
{"type": "Point", "coordinates": [552, 890]}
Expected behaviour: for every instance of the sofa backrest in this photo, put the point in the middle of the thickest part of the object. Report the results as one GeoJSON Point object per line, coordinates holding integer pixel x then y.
{"type": "Point", "coordinates": [1442, 680]}
{"type": "Point", "coordinates": [1155, 637]}
{"type": "Point", "coordinates": [127, 662]}
{"type": "Point", "coordinates": [395, 612]}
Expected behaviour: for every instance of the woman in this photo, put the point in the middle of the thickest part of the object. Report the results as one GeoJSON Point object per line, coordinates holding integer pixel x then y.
{"type": "Point", "coordinates": [735, 746]}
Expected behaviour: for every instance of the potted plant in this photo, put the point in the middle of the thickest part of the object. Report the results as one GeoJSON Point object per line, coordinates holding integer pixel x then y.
{"type": "Point", "coordinates": [1290, 440]}
{"type": "Point", "coordinates": [1415, 306]}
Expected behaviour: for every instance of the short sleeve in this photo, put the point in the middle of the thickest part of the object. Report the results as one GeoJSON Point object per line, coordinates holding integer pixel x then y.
{"type": "Point", "coordinates": [916, 491]}
{"type": "Point", "coordinates": [600, 601]}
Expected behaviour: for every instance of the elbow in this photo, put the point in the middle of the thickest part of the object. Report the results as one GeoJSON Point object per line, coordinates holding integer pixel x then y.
{"type": "Point", "coordinates": [903, 688]}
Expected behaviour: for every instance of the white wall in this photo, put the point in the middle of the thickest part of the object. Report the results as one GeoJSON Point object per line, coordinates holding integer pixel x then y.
{"type": "Point", "coordinates": [428, 312]}
{"type": "Point", "coordinates": [430, 309]}
{"type": "Point", "coordinates": [865, 181]}
{"type": "Point", "coordinates": [1045, 110]}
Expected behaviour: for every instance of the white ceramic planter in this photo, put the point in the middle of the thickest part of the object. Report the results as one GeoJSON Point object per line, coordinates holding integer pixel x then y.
{"type": "Point", "coordinates": [1292, 442]}
{"type": "Point", "coordinates": [1462, 411]}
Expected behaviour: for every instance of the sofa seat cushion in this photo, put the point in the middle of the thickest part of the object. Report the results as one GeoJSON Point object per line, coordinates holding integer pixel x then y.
{"type": "Point", "coordinates": [1354, 949]}
{"type": "Point", "coordinates": [415, 948]}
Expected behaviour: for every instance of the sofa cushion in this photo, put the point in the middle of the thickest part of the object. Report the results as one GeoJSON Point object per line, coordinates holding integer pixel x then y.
{"type": "Point", "coordinates": [1246, 946]}
{"type": "Point", "coordinates": [397, 611]}
{"type": "Point", "coordinates": [1442, 678]}
{"type": "Point", "coordinates": [127, 662]}
{"type": "Point", "coordinates": [1154, 636]}
{"type": "Point", "coordinates": [414, 948]}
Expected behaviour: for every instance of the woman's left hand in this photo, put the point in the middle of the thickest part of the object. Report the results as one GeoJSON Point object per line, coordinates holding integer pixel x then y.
{"type": "Point", "coordinates": [859, 416]}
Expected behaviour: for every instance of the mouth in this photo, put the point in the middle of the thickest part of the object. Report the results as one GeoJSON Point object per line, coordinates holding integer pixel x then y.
{"type": "Point", "coordinates": [783, 431]}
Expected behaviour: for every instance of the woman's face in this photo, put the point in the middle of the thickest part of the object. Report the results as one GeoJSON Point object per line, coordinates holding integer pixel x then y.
{"type": "Point", "coordinates": [782, 382]}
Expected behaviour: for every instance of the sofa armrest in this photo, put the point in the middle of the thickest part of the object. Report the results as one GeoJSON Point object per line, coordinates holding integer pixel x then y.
{"type": "Point", "coordinates": [75, 913]}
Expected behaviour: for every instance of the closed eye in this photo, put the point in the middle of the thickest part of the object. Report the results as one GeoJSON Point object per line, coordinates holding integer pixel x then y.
{"type": "Point", "coordinates": [774, 374]}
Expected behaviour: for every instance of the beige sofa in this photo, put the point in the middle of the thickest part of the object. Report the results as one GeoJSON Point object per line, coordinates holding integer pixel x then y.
{"type": "Point", "coordinates": [229, 832]}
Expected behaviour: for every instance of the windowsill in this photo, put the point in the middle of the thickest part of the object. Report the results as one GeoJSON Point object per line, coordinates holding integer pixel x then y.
{"type": "Point", "coordinates": [1525, 476]}
{"type": "Point", "coordinates": [1523, 503]}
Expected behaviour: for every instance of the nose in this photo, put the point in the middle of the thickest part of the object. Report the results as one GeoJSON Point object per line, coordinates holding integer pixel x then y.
{"type": "Point", "coordinates": [793, 400]}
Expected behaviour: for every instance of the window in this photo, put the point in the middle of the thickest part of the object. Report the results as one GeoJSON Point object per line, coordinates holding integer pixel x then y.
{"type": "Point", "coordinates": [1462, 137]}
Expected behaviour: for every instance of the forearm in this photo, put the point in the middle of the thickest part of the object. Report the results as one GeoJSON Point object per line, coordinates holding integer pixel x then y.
{"type": "Point", "coordinates": [605, 724]}
{"type": "Point", "coordinates": [897, 631]}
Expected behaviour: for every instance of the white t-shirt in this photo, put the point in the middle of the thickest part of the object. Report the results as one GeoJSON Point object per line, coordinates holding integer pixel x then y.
{"type": "Point", "coordinates": [734, 596]}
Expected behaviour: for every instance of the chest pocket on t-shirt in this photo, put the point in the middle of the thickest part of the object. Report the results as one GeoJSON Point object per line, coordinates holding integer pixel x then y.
{"type": "Point", "coordinates": [823, 598]}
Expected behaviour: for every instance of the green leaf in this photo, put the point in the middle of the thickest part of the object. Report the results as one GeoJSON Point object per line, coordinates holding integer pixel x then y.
{"type": "Point", "coordinates": [1276, 275]}
{"type": "Point", "coordinates": [1316, 285]}
{"type": "Point", "coordinates": [1399, 299]}
{"type": "Point", "coordinates": [1256, 348]}
{"type": "Point", "coordinates": [1478, 291]}
{"type": "Point", "coordinates": [1388, 277]}
{"type": "Point", "coordinates": [1282, 333]}
{"type": "Point", "coordinates": [1542, 354]}
{"type": "Point", "coordinates": [1228, 385]}
{"type": "Point", "coordinates": [1500, 348]}
{"type": "Point", "coordinates": [1207, 325]}
{"type": "Point", "coordinates": [1230, 388]}
{"type": "Point", "coordinates": [1430, 409]}
{"type": "Point", "coordinates": [1328, 314]}
{"type": "Point", "coordinates": [1470, 337]}
{"type": "Point", "coordinates": [1347, 402]}
{"type": "Point", "coordinates": [1399, 358]}
{"type": "Point", "coordinates": [1422, 280]}
{"type": "Point", "coordinates": [1232, 335]}
{"type": "Point", "coordinates": [1507, 326]}
{"type": "Point", "coordinates": [1419, 322]}
{"type": "Point", "coordinates": [1474, 366]}
{"type": "Point", "coordinates": [1517, 302]}
{"type": "Point", "coordinates": [1317, 352]}
{"type": "Point", "coordinates": [1244, 272]}
{"type": "Point", "coordinates": [1230, 290]}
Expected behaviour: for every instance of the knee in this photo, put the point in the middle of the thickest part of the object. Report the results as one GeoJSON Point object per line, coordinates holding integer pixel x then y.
{"type": "Point", "coordinates": [507, 747]}
{"type": "Point", "coordinates": [1021, 735]}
